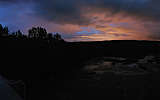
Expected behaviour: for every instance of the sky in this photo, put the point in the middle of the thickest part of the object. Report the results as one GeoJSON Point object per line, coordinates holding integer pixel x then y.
{"type": "Point", "coordinates": [85, 20]}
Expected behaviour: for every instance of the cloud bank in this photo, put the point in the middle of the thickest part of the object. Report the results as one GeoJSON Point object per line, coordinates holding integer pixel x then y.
{"type": "Point", "coordinates": [110, 19]}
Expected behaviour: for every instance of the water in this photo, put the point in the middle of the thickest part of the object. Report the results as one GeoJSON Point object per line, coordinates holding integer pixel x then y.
{"type": "Point", "coordinates": [114, 78]}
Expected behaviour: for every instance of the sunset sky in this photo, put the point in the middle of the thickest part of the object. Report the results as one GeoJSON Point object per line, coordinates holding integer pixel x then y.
{"type": "Point", "coordinates": [86, 20]}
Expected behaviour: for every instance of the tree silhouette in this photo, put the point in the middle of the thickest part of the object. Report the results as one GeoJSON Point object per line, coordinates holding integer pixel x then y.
{"type": "Point", "coordinates": [3, 31]}
{"type": "Point", "coordinates": [42, 32]}
{"type": "Point", "coordinates": [32, 32]}
{"type": "Point", "coordinates": [19, 34]}
{"type": "Point", "coordinates": [57, 37]}
{"type": "Point", "coordinates": [37, 32]}
{"type": "Point", "coordinates": [50, 36]}
{"type": "Point", "coordinates": [1, 28]}
{"type": "Point", "coordinates": [13, 34]}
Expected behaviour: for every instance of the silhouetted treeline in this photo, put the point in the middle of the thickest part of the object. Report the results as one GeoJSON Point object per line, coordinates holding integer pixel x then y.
{"type": "Point", "coordinates": [3, 31]}
{"type": "Point", "coordinates": [35, 33]}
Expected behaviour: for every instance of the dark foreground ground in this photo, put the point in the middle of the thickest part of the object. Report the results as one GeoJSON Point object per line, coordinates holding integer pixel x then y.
{"type": "Point", "coordinates": [61, 72]}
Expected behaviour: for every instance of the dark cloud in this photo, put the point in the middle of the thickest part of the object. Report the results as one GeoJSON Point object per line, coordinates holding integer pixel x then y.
{"type": "Point", "coordinates": [10, 2]}
{"type": "Point", "coordinates": [121, 34]}
{"type": "Point", "coordinates": [61, 11]}
{"type": "Point", "coordinates": [73, 11]}
{"type": "Point", "coordinates": [70, 11]}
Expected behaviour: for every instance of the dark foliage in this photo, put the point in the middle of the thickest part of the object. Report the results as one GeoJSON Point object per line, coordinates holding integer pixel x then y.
{"type": "Point", "coordinates": [3, 31]}
{"type": "Point", "coordinates": [35, 33]}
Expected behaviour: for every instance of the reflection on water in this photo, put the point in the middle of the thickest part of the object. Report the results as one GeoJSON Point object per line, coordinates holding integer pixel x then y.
{"type": "Point", "coordinates": [115, 78]}
{"type": "Point", "coordinates": [123, 65]}
{"type": "Point", "coordinates": [100, 66]}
